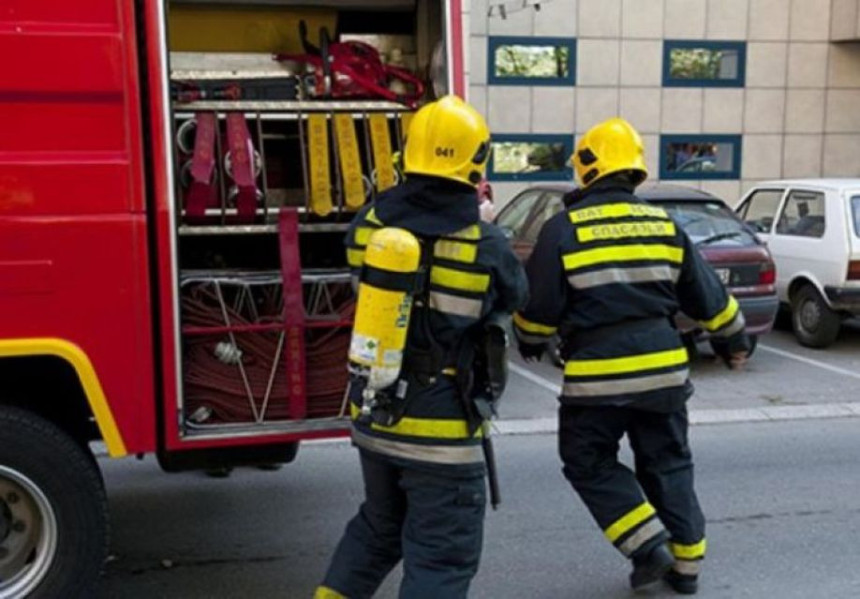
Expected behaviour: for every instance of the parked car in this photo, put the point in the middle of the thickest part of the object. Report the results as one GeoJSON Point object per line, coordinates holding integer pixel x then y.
{"type": "Point", "coordinates": [739, 257]}
{"type": "Point", "coordinates": [812, 227]}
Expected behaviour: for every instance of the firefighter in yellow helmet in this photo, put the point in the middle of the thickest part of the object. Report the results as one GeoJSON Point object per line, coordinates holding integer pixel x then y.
{"type": "Point", "coordinates": [421, 439]}
{"type": "Point", "coordinates": [607, 276]}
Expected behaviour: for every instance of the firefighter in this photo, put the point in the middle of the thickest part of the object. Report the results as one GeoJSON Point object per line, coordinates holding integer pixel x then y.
{"type": "Point", "coordinates": [421, 456]}
{"type": "Point", "coordinates": [608, 275]}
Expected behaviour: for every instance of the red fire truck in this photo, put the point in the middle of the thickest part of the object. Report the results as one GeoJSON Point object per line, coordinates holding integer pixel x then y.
{"type": "Point", "coordinates": [175, 182]}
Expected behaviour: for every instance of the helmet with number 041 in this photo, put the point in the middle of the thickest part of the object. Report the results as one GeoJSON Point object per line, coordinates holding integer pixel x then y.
{"type": "Point", "coordinates": [448, 138]}
{"type": "Point", "coordinates": [612, 146]}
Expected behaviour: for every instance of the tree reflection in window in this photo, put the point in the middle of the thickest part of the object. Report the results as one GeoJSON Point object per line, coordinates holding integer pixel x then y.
{"type": "Point", "coordinates": [518, 60]}
{"type": "Point", "coordinates": [518, 157]}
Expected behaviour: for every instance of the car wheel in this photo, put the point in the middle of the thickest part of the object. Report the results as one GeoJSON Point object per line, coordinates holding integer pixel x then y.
{"type": "Point", "coordinates": [813, 322]}
{"type": "Point", "coordinates": [53, 511]}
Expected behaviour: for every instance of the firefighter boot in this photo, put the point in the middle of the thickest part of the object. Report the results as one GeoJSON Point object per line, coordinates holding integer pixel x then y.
{"type": "Point", "coordinates": [651, 566]}
{"type": "Point", "coordinates": [683, 584]}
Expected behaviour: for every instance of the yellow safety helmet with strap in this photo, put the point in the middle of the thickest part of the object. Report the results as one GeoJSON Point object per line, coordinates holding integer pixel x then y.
{"type": "Point", "coordinates": [612, 146]}
{"type": "Point", "coordinates": [448, 138]}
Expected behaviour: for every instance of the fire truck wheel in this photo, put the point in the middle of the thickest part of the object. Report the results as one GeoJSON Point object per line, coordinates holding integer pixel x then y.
{"type": "Point", "coordinates": [53, 511]}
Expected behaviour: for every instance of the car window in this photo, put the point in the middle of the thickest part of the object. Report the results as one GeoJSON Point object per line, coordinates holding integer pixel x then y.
{"type": "Point", "coordinates": [551, 206]}
{"type": "Point", "coordinates": [513, 217]}
{"type": "Point", "coordinates": [759, 210]}
{"type": "Point", "coordinates": [710, 224]}
{"type": "Point", "coordinates": [802, 215]}
{"type": "Point", "coordinates": [855, 208]}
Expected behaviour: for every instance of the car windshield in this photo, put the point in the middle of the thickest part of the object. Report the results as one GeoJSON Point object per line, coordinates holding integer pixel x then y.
{"type": "Point", "coordinates": [709, 223]}
{"type": "Point", "coordinates": [855, 208]}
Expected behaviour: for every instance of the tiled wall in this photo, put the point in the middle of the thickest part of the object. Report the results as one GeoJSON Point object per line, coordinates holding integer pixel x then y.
{"type": "Point", "coordinates": [799, 112]}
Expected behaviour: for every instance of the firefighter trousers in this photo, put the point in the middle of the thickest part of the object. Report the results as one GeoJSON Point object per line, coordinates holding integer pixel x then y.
{"type": "Point", "coordinates": [635, 510]}
{"type": "Point", "coordinates": [433, 522]}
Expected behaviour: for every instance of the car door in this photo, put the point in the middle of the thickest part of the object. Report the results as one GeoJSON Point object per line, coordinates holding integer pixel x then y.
{"type": "Point", "coordinates": [805, 242]}
{"type": "Point", "coordinates": [515, 218]}
{"type": "Point", "coordinates": [759, 211]}
{"type": "Point", "coordinates": [551, 204]}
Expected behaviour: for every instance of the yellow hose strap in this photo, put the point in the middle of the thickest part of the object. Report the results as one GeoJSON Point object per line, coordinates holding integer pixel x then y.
{"type": "Point", "coordinates": [405, 120]}
{"type": "Point", "coordinates": [350, 161]}
{"type": "Point", "coordinates": [319, 164]}
{"type": "Point", "coordinates": [380, 139]}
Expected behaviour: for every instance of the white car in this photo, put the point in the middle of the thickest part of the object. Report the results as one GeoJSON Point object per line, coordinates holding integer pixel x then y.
{"type": "Point", "coordinates": [812, 228]}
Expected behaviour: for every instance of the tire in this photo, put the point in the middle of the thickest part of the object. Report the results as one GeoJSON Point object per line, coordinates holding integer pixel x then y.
{"type": "Point", "coordinates": [814, 323]}
{"type": "Point", "coordinates": [716, 343]}
{"type": "Point", "coordinates": [51, 494]}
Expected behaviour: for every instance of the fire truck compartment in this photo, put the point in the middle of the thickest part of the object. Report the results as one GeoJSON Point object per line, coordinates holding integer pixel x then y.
{"type": "Point", "coordinates": [286, 119]}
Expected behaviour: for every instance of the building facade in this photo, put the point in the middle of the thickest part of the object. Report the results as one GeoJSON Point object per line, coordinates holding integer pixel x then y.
{"type": "Point", "coordinates": [724, 92]}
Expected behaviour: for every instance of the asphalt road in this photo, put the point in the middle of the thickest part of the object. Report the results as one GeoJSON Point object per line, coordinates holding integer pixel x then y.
{"type": "Point", "coordinates": [780, 498]}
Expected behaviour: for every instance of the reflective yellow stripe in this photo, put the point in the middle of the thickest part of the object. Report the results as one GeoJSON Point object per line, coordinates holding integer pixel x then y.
{"type": "Point", "coordinates": [626, 230]}
{"type": "Point", "coordinates": [533, 327]}
{"type": "Point", "coordinates": [380, 138]}
{"type": "Point", "coordinates": [76, 357]}
{"type": "Point", "coordinates": [623, 253]}
{"type": "Point", "coordinates": [660, 359]}
{"type": "Point", "coordinates": [355, 258]}
{"type": "Point", "coordinates": [695, 551]}
{"type": "Point", "coordinates": [320, 176]}
{"type": "Point", "coordinates": [350, 161]}
{"type": "Point", "coordinates": [456, 250]}
{"type": "Point", "coordinates": [614, 211]}
{"type": "Point", "coordinates": [371, 217]}
{"type": "Point", "coordinates": [629, 521]}
{"type": "Point", "coordinates": [724, 317]}
{"type": "Point", "coordinates": [362, 234]}
{"type": "Point", "coordinates": [324, 592]}
{"type": "Point", "coordinates": [458, 279]}
{"type": "Point", "coordinates": [423, 427]}
{"type": "Point", "coordinates": [470, 233]}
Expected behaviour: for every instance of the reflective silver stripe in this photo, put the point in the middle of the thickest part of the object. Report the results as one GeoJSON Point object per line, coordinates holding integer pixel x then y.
{"type": "Point", "coordinates": [438, 454]}
{"type": "Point", "coordinates": [643, 274]}
{"type": "Point", "coordinates": [633, 385]}
{"type": "Point", "coordinates": [454, 304]}
{"type": "Point", "coordinates": [530, 338]}
{"type": "Point", "coordinates": [645, 533]}
{"type": "Point", "coordinates": [736, 326]}
{"type": "Point", "coordinates": [688, 567]}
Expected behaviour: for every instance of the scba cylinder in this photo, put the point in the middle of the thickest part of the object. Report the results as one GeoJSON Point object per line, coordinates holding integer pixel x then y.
{"type": "Point", "coordinates": [385, 293]}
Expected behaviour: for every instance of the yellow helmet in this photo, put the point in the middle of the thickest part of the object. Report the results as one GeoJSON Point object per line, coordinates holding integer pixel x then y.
{"type": "Point", "coordinates": [610, 147]}
{"type": "Point", "coordinates": [450, 139]}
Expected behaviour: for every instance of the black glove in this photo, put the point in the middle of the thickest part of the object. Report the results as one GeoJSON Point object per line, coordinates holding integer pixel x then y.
{"type": "Point", "coordinates": [726, 348]}
{"type": "Point", "coordinates": [532, 351]}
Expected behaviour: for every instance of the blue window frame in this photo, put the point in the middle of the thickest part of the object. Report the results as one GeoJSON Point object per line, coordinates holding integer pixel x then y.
{"type": "Point", "coordinates": [694, 63]}
{"type": "Point", "coordinates": [528, 60]}
{"type": "Point", "coordinates": [700, 156]}
{"type": "Point", "coordinates": [530, 157]}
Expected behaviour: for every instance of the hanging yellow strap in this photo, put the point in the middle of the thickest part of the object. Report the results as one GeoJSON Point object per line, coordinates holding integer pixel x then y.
{"type": "Point", "coordinates": [405, 119]}
{"type": "Point", "coordinates": [319, 164]}
{"type": "Point", "coordinates": [350, 162]}
{"type": "Point", "coordinates": [381, 140]}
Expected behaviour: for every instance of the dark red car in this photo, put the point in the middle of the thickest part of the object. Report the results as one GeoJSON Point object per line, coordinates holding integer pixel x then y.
{"type": "Point", "coordinates": [739, 257]}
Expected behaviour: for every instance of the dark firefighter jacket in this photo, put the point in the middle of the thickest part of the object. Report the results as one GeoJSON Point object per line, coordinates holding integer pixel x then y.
{"type": "Point", "coordinates": [608, 275]}
{"type": "Point", "coordinates": [473, 274]}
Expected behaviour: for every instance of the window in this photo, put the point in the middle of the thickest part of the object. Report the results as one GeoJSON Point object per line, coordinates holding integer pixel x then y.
{"type": "Point", "coordinates": [531, 61]}
{"type": "Point", "coordinates": [552, 205]}
{"type": "Point", "coordinates": [855, 208]}
{"type": "Point", "coordinates": [709, 223]}
{"type": "Point", "coordinates": [704, 64]}
{"type": "Point", "coordinates": [700, 156]}
{"type": "Point", "coordinates": [530, 157]}
{"type": "Point", "coordinates": [760, 209]}
{"type": "Point", "coordinates": [513, 216]}
{"type": "Point", "coordinates": [802, 215]}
